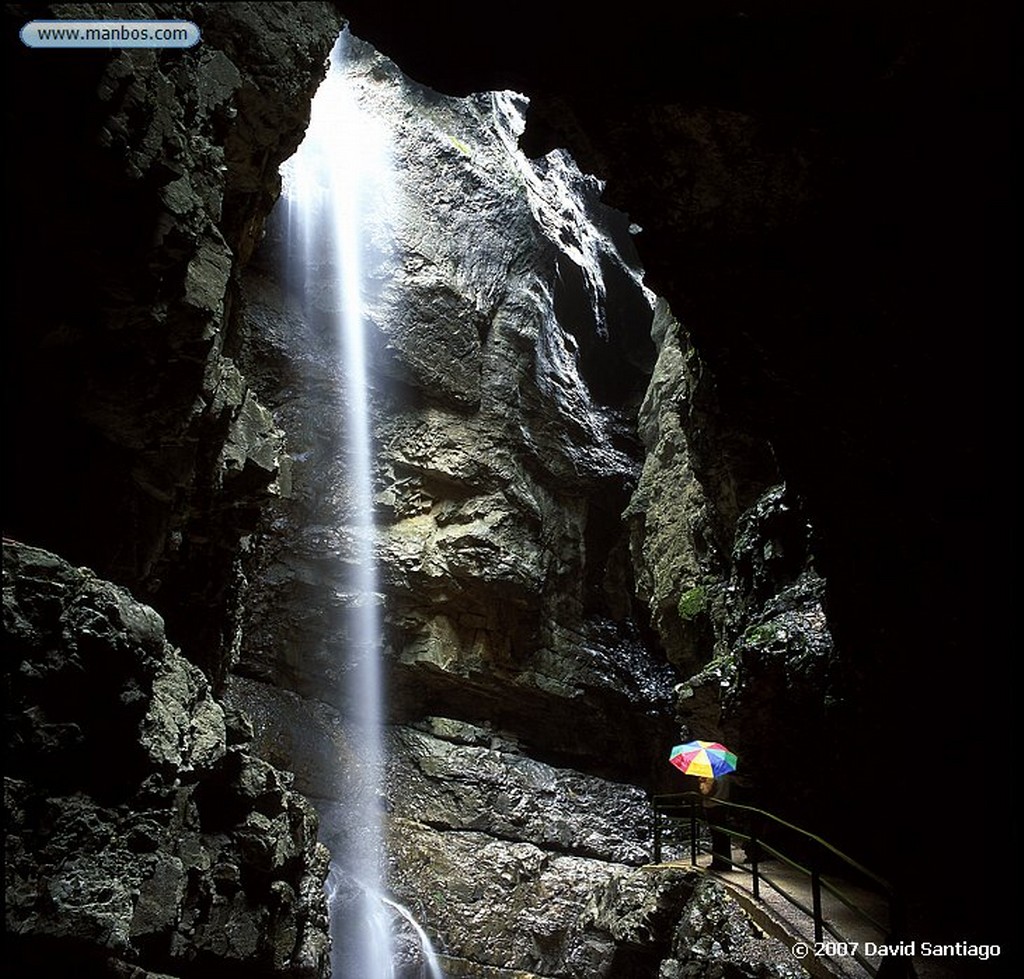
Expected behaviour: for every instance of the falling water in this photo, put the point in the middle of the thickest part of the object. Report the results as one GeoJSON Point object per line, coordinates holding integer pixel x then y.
{"type": "Point", "coordinates": [335, 187]}
{"type": "Point", "coordinates": [431, 965]}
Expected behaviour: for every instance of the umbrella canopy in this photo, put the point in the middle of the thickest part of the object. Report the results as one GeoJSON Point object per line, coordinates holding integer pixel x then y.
{"type": "Point", "coordinates": [707, 759]}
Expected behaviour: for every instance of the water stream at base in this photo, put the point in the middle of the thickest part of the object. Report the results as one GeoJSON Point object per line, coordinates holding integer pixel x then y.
{"type": "Point", "coordinates": [332, 185]}
{"type": "Point", "coordinates": [430, 960]}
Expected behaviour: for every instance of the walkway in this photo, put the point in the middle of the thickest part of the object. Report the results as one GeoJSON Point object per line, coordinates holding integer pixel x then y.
{"type": "Point", "coordinates": [779, 918]}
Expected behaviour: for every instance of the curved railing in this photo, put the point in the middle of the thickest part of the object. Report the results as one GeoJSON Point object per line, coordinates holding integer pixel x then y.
{"type": "Point", "coordinates": [815, 858]}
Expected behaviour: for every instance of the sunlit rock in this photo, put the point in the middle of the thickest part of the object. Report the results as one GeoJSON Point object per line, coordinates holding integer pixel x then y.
{"type": "Point", "coordinates": [504, 570]}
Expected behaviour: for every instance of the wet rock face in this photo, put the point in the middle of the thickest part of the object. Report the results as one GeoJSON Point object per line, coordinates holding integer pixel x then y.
{"type": "Point", "coordinates": [724, 560]}
{"type": "Point", "coordinates": [505, 911]}
{"type": "Point", "coordinates": [700, 474]}
{"type": "Point", "coordinates": [140, 830]}
{"type": "Point", "coordinates": [502, 858]}
{"type": "Point", "coordinates": [510, 342]}
{"type": "Point", "coordinates": [139, 187]}
{"type": "Point", "coordinates": [714, 937]}
{"type": "Point", "coordinates": [499, 855]}
{"type": "Point", "coordinates": [453, 775]}
{"type": "Point", "coordinates": [761, 618]}
{"type": "Point", "coordinates": [510, 339]}
{"type": "Point", "coordinates": [781, 651]}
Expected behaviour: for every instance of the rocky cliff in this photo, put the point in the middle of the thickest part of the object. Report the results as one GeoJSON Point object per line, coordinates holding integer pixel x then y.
{"type": "Point", "coordinates": [498, 493]}
{"type": "Point", "coordinates": [510, 338]}
{"type": "Point", "coordinates": [142, 835]}
{"type": "Point", "coordinates": [139, 188]}
{"type": "Point", "coordinates": [139, 827]}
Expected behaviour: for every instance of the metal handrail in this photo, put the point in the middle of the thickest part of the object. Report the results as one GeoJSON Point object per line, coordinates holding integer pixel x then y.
{"type": "Point", "coordinates": [679, 806]}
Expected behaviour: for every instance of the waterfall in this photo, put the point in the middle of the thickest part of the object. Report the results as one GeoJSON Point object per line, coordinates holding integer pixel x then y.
{"type": "Point", "coordinates": [335, 187]}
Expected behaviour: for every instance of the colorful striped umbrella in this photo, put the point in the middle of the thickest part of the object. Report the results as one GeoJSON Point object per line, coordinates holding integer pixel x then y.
{"type": "Point", "coordinates": [707, 759]}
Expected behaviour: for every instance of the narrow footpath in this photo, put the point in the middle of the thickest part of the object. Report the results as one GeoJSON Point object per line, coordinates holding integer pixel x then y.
{"type": "Point", "coordinates": [779, 917]}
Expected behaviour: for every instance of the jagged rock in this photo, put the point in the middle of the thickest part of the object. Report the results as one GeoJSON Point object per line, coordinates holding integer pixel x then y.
{"type": "Point", "coordinates": [639, 908]}
{"type": "Point", "coordinates": [180, 730]}
{"type": "Point", "coordinates": [724, 559]}
{"type": "Point", "coordinates": [772, 645]}
{"type": "Point", "coordinates": [715, 938]}
{"type": "Point", "coordinates": [674, 546]}
{"type": "Point", "coordinates": [134, 834]}
{"type": "Point", "coordinates": [699, 475]}
{"type": "Point", "coordinates": [499, 906]}
{"type": "Point", "coordinates": [454, 776]}
{"type": "Point", "coordinates": [500, 909]}
{"type": "Point", "coordinates": [772, 548]}
{"type": "Point", "coordinates": [304, 736]}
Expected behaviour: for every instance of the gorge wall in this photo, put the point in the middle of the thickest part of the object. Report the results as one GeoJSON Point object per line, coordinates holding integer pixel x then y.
{"type": "Point", "coordinates": [139, 827]}
{"type": "Point", "coordinates": [511, 346]}
{"type": "Point", "coordinates": [601, 526]}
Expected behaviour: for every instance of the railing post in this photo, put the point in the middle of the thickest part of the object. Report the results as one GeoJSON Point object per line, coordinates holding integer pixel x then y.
{"type": "Point", "coordinates": [897, 919]}
{"type": "Point", "coordinates": [756, 877]}
{"type": "Point", "coordinates": [657, 834]}
{"type": "Point", "coordinates": [693, 833]}
{"type": "Point", "coordinates": [896, 966]}
{"type": "Point", "coordinates": [816, 898]}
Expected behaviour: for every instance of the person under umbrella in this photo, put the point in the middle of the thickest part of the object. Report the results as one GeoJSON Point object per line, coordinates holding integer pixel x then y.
{"type": "Point", "coordinates": [714, 790]}
{"type": "Point", "coordinates": [711, 762]}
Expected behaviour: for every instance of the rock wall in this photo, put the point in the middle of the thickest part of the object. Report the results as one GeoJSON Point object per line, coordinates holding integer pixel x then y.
{"type": "Point", "coordinates": [510, 339]}
{"type": "Point", "coordinates": [141, 833]}
{"type": "Point", "coordinates": [142, 836]}
{"type": "Point", "coordinates": [700, 474]}
{"type": "Point", "coordinates": [498, 491]}
{"type": "Point", "coordinates": [504, 566]}
{"type": "Point", "coordinates": [137, 192]}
